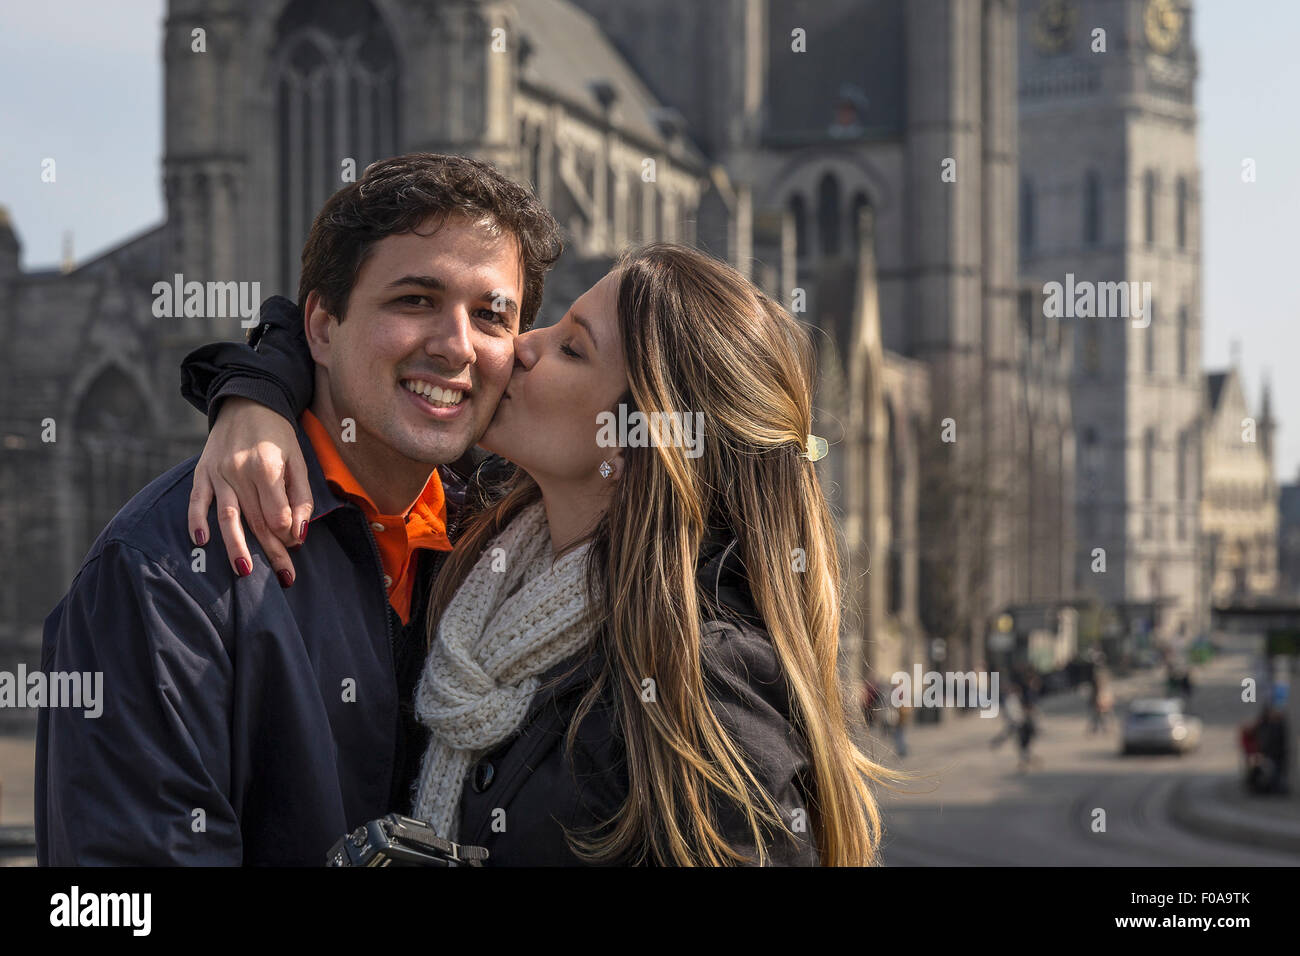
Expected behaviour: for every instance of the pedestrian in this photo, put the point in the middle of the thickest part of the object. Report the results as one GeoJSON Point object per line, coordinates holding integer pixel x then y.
{"type": "Point", "coordinates": [1271, 736]}
{"type": "Point", "coordinates": [1101, 701]}
{"type": "Point", "coordinates": [1028, 728]}
{"type": "Point", "coordinates": [1255, 763]}
{"type": "Point", "coordinates": [1012, 713]}
{"type": "Point", "coordinates": [896, 720]}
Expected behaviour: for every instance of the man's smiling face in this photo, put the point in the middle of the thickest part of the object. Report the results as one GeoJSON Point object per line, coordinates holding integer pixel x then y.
{"type": "Point", "coordinates": [427, 344]}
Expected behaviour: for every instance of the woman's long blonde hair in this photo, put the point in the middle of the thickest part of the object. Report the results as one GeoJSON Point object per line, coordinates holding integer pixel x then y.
{"type": "Point", "coordinates": [699, 337]}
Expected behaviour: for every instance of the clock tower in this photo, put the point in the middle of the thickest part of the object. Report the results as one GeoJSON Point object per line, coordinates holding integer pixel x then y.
{"type": "Point", "coordinates": [1110, 192]}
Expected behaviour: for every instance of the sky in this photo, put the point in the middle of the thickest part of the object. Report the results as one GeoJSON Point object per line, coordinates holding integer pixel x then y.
{"type": "Point", "coordinates": [81, 82]}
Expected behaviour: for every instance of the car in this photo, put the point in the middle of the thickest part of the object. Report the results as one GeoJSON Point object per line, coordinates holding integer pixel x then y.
{"type": "Point", "coordinates": [1159, 725]}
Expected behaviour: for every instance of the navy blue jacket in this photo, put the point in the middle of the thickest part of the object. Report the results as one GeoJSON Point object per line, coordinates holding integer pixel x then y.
{"type": "Point", "coordinates": [242, 723]}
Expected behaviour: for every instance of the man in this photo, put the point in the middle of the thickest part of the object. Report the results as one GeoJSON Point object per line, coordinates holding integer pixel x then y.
{"type": "Point", "coordinates": [250, 717]}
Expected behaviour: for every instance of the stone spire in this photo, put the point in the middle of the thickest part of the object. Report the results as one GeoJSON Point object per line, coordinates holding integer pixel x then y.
{"type": "Point", "coordinates": [1267, 425]}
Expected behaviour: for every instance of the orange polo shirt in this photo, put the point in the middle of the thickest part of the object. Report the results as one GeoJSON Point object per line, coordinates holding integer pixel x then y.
{"type": "Point", "coordinates": [398, 536]}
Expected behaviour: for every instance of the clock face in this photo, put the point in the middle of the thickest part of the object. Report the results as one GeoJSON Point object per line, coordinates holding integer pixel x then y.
{"type": "Point", "coordinates": [1053, 25]}
{"type": "Point", "coordinates": [1164, 25]}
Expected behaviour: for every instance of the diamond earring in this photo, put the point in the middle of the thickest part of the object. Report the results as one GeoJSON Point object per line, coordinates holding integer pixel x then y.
{"type": "Point", "coordinates": [605, 469]}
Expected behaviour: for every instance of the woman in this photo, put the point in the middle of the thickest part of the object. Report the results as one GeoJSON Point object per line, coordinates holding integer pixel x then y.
{"type": "Point", "coordinates": [640, 643]}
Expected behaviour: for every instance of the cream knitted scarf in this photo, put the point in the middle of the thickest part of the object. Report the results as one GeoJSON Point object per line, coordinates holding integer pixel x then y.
{"type": "Point", "coordinates": [501, 631]}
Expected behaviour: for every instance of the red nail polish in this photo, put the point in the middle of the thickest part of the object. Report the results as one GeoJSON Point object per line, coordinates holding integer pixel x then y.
{"type": "Point", "coordinates": [200, 536]}
{"type": "Point", "coordinates": [285, 577]}
{"type": "Point", "coordinates": [302, 535]}
{"type": "Point", "coordinates": [244, 567]}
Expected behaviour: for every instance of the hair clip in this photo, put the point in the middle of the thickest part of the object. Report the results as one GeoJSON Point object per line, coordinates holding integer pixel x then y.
{"type": "Point", "coordinates": [817, 448]}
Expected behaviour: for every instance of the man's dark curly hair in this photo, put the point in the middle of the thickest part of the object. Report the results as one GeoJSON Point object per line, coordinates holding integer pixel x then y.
{"type": "Point", "coordinates": [397, 195]}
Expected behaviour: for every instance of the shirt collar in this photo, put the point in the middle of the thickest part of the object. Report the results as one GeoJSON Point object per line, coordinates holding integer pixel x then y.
{"type": "Point", "coordinates": [332, 474]}
{"type": "Point", "coordinates": [324, 500]}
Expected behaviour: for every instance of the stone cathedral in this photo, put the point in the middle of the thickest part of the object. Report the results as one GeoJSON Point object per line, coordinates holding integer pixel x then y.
{"type": "Point", "coordinates": [870, 163]}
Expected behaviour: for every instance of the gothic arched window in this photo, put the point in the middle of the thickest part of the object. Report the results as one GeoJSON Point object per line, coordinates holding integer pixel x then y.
{"type": "Point", "coordinates": [1090, 459]}
{"type": "Point", "coordinates": [1181, 223]}
{"type": "Point", "coordinates": [115, 454]}
{"type": "Point", "coordinates": [1183, 343]}
{"type": "Point", "coordinates": [1027, 220]}
{"type": "Point", "coordinates": [336, 88]}
{"type": "Point", "coordinates": [1150, 338]}
{"type": "Point", "coordinates": [1184, 465]}
{"type": "Point", "coordinates": [1149, 463]}
{"type": "Point", "coordinates": [1149, 206]}
{"type": "Point", "coordinates": [828, 215]}
{"type": "Point", "coordinates": [1092, 208]}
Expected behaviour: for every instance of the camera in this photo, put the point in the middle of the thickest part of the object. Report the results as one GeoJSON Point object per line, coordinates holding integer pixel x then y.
{"type": "Point", "coordinates": [395, 840]}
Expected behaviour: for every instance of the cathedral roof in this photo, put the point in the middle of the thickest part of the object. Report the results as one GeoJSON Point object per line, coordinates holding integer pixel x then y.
{"type": "Point", "coordinates": [571, 55]}
{"type": "Point", "coordinates": [139, 254]}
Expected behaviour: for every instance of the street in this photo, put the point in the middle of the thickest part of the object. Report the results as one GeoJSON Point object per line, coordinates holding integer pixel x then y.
{"type": "Point", "coordinates": [972, 806]}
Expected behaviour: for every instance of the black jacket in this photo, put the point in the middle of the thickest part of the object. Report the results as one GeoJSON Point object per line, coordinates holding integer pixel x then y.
{"type": "Point", "coordinates": [518, 798]}
{"type": "Point", "coordinates": [241, 723]}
